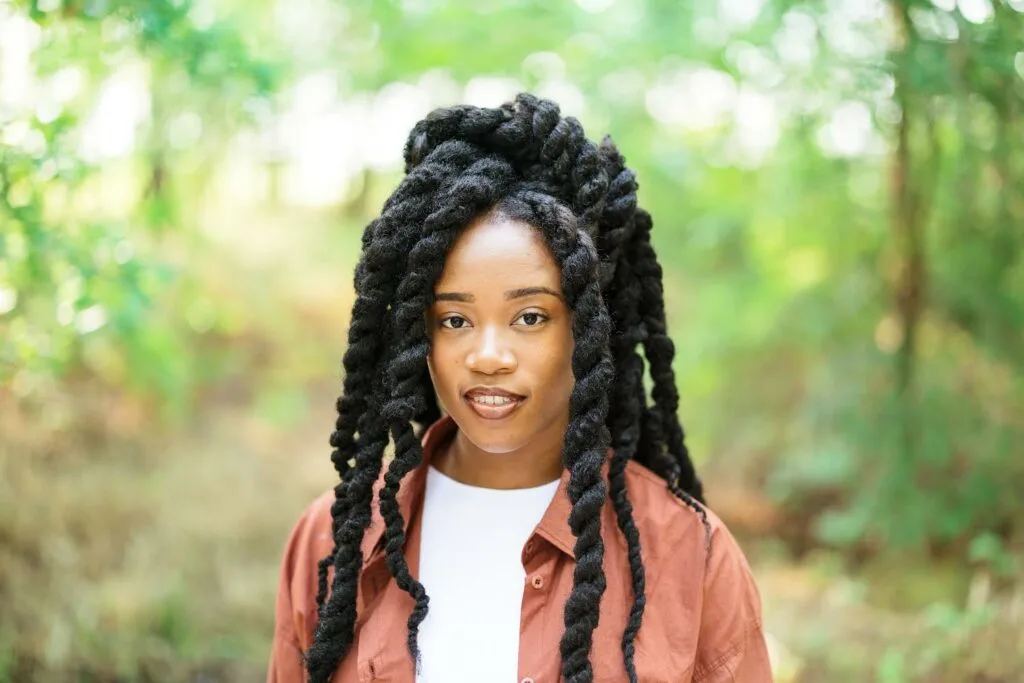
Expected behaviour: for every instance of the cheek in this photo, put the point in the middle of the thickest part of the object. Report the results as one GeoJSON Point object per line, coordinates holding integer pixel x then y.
{"type": "Point", "coordinates": [440, 370]}
{"type": "Point", "coordinates": [443, 365]}
{"type": "Point", "coordinates": [556, 359]}
{"type": "Point", "coordinates": [570, 378]}
{"type": "Point", "coordinates": [568, 346]}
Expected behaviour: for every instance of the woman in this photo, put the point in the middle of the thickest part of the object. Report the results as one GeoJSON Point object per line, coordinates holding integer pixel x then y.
{"type": "Point", "coordinates": [550, 525]}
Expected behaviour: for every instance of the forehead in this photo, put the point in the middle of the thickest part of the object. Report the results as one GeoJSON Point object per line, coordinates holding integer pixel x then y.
{"type": "Point", "coordinates": [499, 252]}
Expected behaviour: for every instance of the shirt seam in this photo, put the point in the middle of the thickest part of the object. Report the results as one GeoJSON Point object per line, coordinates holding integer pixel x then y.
{"type": "Point", "coordinates": [652, 478]}
{"type": "Point", "coordinates": [701, 673]}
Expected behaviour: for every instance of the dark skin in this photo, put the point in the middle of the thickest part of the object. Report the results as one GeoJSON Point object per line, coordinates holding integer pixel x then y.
{"type": "Point", "coordinates": [501, 356]}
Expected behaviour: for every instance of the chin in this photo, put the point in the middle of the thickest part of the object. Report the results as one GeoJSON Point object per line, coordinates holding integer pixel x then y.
{"type": "Point", "coordinates": [497, 437]}
{"type": "Point", "coordinates": [496, 440]}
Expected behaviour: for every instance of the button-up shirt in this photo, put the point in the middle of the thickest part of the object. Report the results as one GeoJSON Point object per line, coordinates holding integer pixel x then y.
{"type": "Point", "coordinates": [702, 621]}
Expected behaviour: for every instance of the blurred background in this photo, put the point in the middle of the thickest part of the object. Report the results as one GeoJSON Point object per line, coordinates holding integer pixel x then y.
{"type": "Point", "coordinates": [838, 193]}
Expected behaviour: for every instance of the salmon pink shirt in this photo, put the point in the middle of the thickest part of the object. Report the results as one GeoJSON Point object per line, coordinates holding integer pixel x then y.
{"type": "Point", "coordinates": [702, 621]}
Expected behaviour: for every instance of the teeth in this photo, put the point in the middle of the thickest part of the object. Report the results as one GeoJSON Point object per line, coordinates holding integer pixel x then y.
{"type": "Point", "coordinates": [492, 400]}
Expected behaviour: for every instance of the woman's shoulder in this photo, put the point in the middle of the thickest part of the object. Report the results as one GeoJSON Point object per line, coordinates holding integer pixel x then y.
{"type": "Point", "coordinates": [698, 574]}
{"type": "Point", "coordinates": [313, 527]}
{"type": "Point", "coordinates": [656, 506]}
{"type": "Point", "coordinates": [310, 540]}
{"type": "Point", "coordinates": [672, 528]}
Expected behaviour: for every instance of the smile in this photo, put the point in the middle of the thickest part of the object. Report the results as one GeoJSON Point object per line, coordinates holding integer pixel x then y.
{"type": "Point", "coordinates": [493, 404]}
{"type": "Point", "coordinates": [492, 400]}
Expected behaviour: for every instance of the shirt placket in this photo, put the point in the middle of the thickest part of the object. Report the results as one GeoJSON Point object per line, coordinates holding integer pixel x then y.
{"type": "Point", "coordinates": [540, 559]}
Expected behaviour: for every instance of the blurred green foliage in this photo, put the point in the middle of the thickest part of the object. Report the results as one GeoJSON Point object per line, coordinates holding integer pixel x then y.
{"type": "Point", "coordinates": [86, 283]}
{"type": "Point", "coordinates": [838, 190]}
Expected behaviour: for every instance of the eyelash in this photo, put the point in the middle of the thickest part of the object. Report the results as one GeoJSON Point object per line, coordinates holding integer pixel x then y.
{"type": "Point", "coordinates": [540, 316]}
{"type": "Point", "coordinates": [442, 321]}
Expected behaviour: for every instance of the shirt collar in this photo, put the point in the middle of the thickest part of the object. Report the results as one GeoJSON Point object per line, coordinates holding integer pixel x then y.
{"type": "Point", "coordinates": [553, 526]}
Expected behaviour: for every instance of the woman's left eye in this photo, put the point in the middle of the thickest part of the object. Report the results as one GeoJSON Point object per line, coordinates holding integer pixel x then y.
{"type": "Point", "coordinates": [532, 319]}
{"type": "Point", "coordinates": [453, 322]}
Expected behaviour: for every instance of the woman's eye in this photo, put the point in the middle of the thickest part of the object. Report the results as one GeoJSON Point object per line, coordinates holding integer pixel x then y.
{"type": "Point", "coordinates": [532, 319]}
{"type": "Point", "coordinates": [454, 322]}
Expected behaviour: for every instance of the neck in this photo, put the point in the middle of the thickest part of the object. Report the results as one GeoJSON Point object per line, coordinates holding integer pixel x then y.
{"type": "Point", "coordinates": [527, 467]}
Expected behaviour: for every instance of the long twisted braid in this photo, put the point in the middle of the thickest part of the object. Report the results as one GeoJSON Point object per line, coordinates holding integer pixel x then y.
{"type": "Point", "coordinates": [479, 188]}
{"type": "Point", "coordinates": [636, 303]}
{"type": "Point", "coordinates": [660, 352]}
{"type": "Point", "coordinates": [381, 267]}
{"type": "Point", "coordinates": [627, 397]}
{"type": "Point", "coordinates": [572, 158]}
{"type": "Point", "coordinates": [586, 438]}
{"type": "Point", "coordinates": [374, 286]}
{"type": "Point", "coordinates": [667, 451]}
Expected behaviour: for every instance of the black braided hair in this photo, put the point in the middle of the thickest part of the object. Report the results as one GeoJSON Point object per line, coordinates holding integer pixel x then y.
{"type": "Point", "coordinates": [524, 161]}
{"type": "Point", "coordinates": [473, 192]}
{"type": "Point", "coordinates": [636, 302]}
{"type": "Point", "coordinates": [385, 244]}
{"type": "Point", "coordinates": [627, 397]}
{"type": "Point", "coordinates": [660, 352]}
{"type": "Point", "coordinates": [586, 438]}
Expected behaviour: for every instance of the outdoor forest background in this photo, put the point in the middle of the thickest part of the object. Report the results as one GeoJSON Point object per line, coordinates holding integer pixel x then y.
{"type": "Point", "coordinates": [838, 194]}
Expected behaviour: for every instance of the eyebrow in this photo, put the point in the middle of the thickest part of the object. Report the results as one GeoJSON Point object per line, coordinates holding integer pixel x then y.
{"type": "Point", "coordinates": [510, 295]}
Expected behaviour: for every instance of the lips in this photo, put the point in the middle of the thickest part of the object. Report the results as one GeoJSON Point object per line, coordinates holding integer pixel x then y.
{"type": "Point", "coordinates": [493, 403]}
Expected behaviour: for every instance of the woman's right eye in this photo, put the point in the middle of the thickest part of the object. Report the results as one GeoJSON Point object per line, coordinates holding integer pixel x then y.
{"type": "Point", "coordinates": [454, 322]}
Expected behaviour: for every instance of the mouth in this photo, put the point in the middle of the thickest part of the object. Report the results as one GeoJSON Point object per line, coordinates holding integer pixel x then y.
{"type": "Point", "coordinates": [492, 403]}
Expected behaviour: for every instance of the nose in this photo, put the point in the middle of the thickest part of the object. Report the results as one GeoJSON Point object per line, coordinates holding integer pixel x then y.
{"type": "Point", "coordinates": [490, 354]}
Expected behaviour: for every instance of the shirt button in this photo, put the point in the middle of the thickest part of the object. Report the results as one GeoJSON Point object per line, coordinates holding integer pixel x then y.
{"type": "Point", "coordinates": [537, 582]}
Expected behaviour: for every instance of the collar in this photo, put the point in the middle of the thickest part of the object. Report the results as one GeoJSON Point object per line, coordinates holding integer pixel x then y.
{"type": "Point", "coordinates": [553, 526]}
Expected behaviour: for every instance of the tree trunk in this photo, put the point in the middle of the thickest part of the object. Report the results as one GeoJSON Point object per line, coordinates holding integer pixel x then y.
{"type": "Point", "coordinates": [907, 229]}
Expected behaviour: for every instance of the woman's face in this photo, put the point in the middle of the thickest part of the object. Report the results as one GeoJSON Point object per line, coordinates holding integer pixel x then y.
{"type": "Point", "coordinates": [501, 338]}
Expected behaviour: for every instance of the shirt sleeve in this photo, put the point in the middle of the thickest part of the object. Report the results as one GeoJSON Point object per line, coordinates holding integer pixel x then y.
{"type": "Point", "coordinates": [295, 607]}
{"type": "Point", "coordinates": [286, 665]}
{"type": "Point", "coordinates": [731, 646]}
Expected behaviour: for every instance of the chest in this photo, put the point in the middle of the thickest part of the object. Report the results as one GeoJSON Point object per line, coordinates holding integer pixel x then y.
{"type": "Point", "coordinates": [665, 646]}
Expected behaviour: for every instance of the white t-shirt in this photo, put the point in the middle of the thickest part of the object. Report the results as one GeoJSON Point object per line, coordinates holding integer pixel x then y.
{"type": "Point", "coordinates": [471, 632]}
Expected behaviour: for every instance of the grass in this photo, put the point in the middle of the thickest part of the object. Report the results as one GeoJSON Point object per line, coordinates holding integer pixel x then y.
{"type": "Point", "coordinates": [832, 626]}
